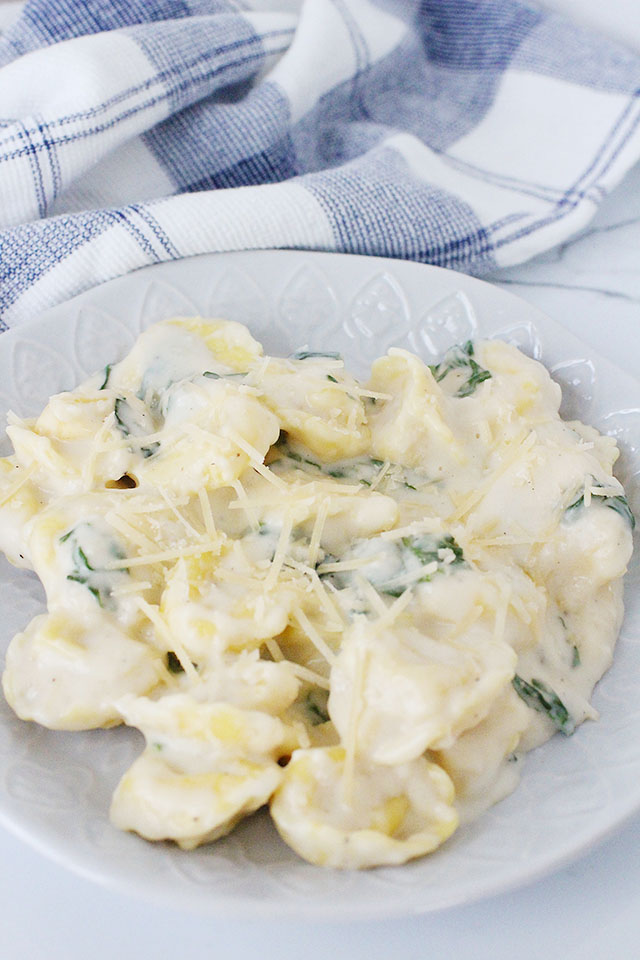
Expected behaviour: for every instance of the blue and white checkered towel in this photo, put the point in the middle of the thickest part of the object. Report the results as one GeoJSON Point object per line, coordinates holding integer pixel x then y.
{"type": "Point", "coordinates": [466, 133]}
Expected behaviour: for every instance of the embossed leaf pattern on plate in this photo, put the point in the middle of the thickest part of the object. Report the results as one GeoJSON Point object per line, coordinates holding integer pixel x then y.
{"type": "Point", "coordinates": [378, 316]}
{"type": "Point", "coordinates": [100, 335]}
{"type": "Point", "coordinates": [452, 320]}
{"type": "Point", "coordinates": [237, 296]}
{"type": "Point", "coordinates": [577, 378]}
{"type": "Point", "coordinates": [38, 371]}
{"type": "Point", "coordinates": [308, 293]}
{"type": "Point", "coordinates": [624, 425]}
{"type": "Point", "coordinates": [358, 306]}
{"type": "Point", "coordinates": [524, 336]}
{"type": "Point", "coordinates": [64, 788]}
{"type": "Point", "coordinates": [160, 301]}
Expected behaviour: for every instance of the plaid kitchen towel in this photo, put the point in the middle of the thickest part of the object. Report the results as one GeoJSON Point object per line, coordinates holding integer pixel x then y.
{"type": "Point", "coordinates": [465, 133]}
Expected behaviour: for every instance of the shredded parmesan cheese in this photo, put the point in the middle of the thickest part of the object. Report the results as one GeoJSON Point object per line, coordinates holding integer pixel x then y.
{"type": "Point", "coordinates": [169, 642]}
{"type": "Point", "coordinates": [207, 515]}
{"type": "Point", "coordinates": [11, 492]}
{"type": "Point", "coordinates": [189, 528]}
{"type": "Point", "coordinates": [310, 676]}
{"type": "Point", "coordinates": [384, 469]}
{"type": "Point", "coordinates": [318, 527]}
{"type": "Point", "coordinates": [165, 556]}
{"type": "Point", "coordinates": [313, 635]}
{"type": "Point", "coordinates": [280, 554]}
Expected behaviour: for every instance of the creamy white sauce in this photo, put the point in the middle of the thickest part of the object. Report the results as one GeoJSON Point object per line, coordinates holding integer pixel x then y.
{"type": "Point", "coordinates": [360, 604]}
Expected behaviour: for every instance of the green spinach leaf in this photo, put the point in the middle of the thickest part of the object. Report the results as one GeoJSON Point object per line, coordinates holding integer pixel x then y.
{"type": "Point", "coordinates": [461, 357]}
{"type": "Point", "coordinates": [539, 696]}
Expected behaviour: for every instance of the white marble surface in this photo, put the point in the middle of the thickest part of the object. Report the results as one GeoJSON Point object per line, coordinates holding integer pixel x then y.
{"type": "Point", "coordinates": [596, 274]}
{"type": "Point", "coordinates": [588, 911]}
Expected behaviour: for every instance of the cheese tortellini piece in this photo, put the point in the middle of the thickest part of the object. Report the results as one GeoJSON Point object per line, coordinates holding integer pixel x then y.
{"type": "Point", "coordinates": [205, 766]}
{"type": "Point", "coordinates": [440, 688]}
{"type": "Point", "coordinates": [356, 605]}
{"type": "Point", "coordinates": [391, 814]}
{"type": "Point", "coordinates": [69, 675]}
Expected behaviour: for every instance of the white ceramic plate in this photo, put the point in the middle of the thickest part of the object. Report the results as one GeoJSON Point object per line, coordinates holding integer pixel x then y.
{"type": "Point", "coordinates": [55, 787]}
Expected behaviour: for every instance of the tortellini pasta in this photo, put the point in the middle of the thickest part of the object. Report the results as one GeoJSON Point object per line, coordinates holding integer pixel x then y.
{"type": "Point", "coordinates": [356, 604]}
